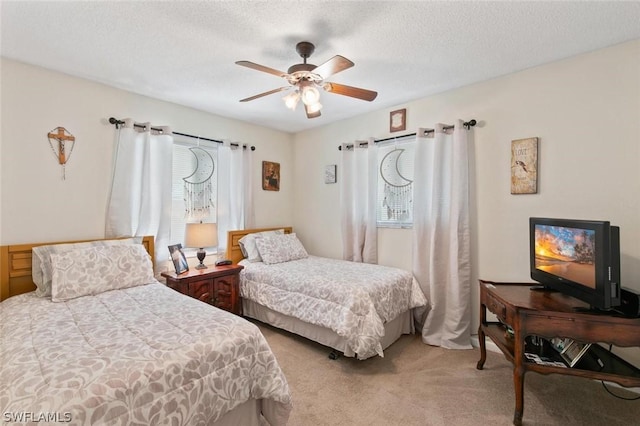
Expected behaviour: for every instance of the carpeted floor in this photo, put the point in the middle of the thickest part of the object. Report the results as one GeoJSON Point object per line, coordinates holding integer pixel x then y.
{"type": "Point", "coordinates": [416, 384]}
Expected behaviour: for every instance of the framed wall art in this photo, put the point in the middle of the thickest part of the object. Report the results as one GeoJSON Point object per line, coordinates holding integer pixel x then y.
{"type": "Point", "coordinates": [270, 176]}
{"type": "Point", "coordinates": [330, 173]}
{"type": "Point", "coordinates": [398, 120]}
{"type": "Point", "coordinates": [524, 166]}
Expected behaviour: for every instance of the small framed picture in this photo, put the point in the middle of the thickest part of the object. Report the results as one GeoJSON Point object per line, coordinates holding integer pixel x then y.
{"type": "Point", "coordinates": [270, 176]}
{"type": "Point", "coordinates": [178, 258]}
{"type": "Point", "coordinates": [330, 173]}
{"type": "Point", "coordinates": [398, 120]}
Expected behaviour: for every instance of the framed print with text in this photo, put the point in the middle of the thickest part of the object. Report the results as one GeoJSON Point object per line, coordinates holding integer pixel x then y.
{"type": "Point", "coordinates": [524, 166]}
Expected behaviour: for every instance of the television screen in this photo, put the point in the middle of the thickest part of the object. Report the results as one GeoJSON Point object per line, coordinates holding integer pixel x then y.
{"type": "Point", "coordinates": [566, 252]}
{"type": "Point", "coordinates": [580, 258]}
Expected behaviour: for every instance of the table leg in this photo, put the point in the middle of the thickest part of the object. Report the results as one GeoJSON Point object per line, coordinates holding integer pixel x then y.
{"type": "Point", "coordinates": [483, 348]}
{"type": "Point", "coordinates": [518, 380]}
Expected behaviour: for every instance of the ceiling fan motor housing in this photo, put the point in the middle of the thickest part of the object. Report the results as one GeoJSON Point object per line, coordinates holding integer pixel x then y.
{"type": "Point", "coordinates": [305, 49]}
{"type": "Point", "coordinates": [300, 67]}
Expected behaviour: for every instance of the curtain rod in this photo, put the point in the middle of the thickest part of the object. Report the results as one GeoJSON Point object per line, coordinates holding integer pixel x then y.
{"type": "Point", "coordinates": [118, 123]}
{"type": "Point", "coordinates": [468, 124]}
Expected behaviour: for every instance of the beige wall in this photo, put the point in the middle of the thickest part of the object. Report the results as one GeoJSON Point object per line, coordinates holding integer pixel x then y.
{"type": "Point", "coordinates": [586, 112]}
{"type": "Point", "coordinates": [37, 205]}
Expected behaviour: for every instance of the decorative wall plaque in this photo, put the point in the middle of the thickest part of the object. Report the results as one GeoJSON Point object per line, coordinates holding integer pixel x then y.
{"type": "Point", "coordinates": [398, 120]}
{"type": "Point", "coordinates": [330, 173]}
{"type": "Point", "coordinates": [524, 166]}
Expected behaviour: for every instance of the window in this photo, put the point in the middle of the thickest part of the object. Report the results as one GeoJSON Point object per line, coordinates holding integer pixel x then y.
{"type": "Point", "coordinates": [395, 184]}
{"type": "Point", "coordinates": [194, 166]}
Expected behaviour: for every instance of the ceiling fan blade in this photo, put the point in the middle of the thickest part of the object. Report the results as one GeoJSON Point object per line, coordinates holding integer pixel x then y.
{"type": "Point", "coordinates": [280, 89]}
{"type": "Point", "coordinates": [311, 114]}
{"type": "Point", "coordinates": [354, 92]}
{"type": "Point", "coordinates": [333, 66]}
{"type": "Point", "coordinates": [262, 68]}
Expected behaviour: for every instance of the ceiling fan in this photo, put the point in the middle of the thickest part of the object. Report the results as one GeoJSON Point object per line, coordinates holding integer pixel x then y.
{"type": "Point", "coordinates": [307, 78]}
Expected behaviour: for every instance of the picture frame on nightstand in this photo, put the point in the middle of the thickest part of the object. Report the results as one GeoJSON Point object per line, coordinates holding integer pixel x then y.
{"type": "Point", "coordinates": [178, 258]}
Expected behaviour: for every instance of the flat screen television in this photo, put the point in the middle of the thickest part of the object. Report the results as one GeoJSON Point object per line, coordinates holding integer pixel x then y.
{"type": "Point", "coordinates": [580, 258]}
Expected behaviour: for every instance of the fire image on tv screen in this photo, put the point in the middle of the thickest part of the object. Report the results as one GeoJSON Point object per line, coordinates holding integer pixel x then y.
{"type": "Point", "coordinates": [566, 252]}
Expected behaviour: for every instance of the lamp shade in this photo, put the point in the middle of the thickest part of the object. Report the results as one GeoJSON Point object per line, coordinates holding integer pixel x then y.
{"type": "Point", "coordinates": [201, 235]}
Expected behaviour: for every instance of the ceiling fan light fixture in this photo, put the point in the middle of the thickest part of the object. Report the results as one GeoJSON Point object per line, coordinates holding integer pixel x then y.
{"type": "Point", "coordinates": [291, 100]}
{"type": "Point", "coordinates": [307, 79]}
{"type": "Point", "coordinates": [310, 95]}
{"type": "Point", "coordinates": [313, 108]}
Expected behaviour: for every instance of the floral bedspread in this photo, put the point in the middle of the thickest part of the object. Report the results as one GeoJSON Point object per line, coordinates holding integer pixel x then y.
{"type": "Point", "coordinates": [140, 356]}
{"type": "Point", "coordinates": [354, 300]}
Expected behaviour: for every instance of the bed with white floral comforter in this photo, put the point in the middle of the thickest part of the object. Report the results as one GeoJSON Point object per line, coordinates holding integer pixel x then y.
{"type": "Point", "coordinates": [354, 300]}
{"type": "Point", "coordinates": [143, 355]}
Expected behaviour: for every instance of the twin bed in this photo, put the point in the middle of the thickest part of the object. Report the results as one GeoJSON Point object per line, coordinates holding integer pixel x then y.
{"type": "Point", "coordinates": [357, 309]}
{"type": "Point", "coordinates": [100, 341]}
{"type": "Point", "coordinates": [104, 343]}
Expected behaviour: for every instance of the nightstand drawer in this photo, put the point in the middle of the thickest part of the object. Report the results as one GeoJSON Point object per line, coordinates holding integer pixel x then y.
{"type": "Point", "coordinates": [201, 290]}
{"type": "Point", "coordinates": [228, 281]}
{"type": "Point", "coordinates": [217, 286]}
{"type": "Point", "coordinates": [223, 301]}
{"type": "Point", "coordinates": [222, 292]}
{"type": "Point", "coordinates": [225, 296]}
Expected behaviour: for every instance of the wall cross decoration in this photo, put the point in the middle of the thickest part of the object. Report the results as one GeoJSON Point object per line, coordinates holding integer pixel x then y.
{"type": "Point", "coordinates": [60, 149]}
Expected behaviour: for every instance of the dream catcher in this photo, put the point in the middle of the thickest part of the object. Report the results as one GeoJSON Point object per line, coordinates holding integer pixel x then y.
{"type": "Point", "coordinates": [61, 143]}
{"type": "Point", "coordinates": [198, 186]}
{"type": "Point", "coordinates": [398, 189]}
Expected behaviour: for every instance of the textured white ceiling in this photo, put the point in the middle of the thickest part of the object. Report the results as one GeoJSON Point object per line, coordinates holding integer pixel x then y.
{"type": "Point", "coordinates": [185, 52]}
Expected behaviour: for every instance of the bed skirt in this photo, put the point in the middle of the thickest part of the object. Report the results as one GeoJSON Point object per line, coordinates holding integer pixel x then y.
{"type": "Point", "coordinates": [246, 414]}
{"type": "Point", "coordinates": [403, 324]}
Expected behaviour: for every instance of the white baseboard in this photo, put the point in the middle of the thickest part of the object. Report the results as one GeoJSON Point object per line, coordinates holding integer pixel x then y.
{"type": "Point", "coordinates": [475, 342]}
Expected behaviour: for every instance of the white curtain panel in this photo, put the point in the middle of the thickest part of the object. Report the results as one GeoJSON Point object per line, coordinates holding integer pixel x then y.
{"type": "Point", "coordinates": [247, 188]}
{"type": "Point", "coordinates": [358, 203]}
{"type": "Point", "coordinates": [441, 241]}
{"type": "Point", "coordinates": [235, 179]}
{"type": "Point", "coordinates": [140, 199]}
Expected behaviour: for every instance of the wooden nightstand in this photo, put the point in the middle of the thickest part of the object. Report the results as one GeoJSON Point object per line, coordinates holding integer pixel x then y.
{"type": "Point", "coordinates": [217, 285]}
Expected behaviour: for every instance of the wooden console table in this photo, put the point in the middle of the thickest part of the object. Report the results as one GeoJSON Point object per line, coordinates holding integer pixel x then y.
{"type": "Point", "coordinates": [552, 314]}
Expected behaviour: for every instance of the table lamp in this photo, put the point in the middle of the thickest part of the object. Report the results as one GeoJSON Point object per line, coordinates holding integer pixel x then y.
{"type": "Point", "coordinates": [201, 235]}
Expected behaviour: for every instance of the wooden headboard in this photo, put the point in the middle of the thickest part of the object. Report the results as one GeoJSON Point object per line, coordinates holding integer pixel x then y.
{"type": "Point", "coordinates": [233, 248]}
{"type": "Point", "coordinates": [15, 266]}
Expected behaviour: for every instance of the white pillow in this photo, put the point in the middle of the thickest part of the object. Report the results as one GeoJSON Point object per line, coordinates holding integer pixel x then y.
{"type": "Point", "coordinates": [281, 248]}
{"type": "Point", "coordinates": [41, 259]}
{"type": "Point", "coordinates": [248, 244]}
{"type": "Point", "coordinates": [94, 270]}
